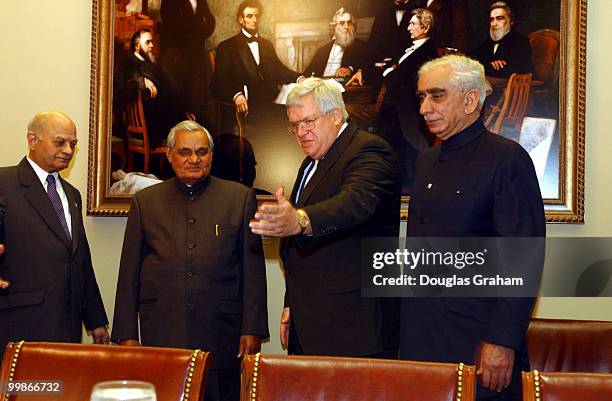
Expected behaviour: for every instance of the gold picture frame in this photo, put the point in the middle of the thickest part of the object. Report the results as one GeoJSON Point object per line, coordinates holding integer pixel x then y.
{"type": "Point", "coordinates": [567, 207]}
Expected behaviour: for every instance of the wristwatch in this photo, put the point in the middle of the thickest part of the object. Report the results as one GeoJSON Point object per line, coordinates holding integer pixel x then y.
{"type": "Point", "coordinates": [303, 219]}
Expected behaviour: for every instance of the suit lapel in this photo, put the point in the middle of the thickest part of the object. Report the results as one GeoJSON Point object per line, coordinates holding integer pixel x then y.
{"type": "Point", "coordinates": [35, 194]}
{"type": "Point", "coordinates": [327, 162]}
{"type": "Point", "coordinates": [298, 179]}
{"type": "Point", "coordinates": [247, 57]}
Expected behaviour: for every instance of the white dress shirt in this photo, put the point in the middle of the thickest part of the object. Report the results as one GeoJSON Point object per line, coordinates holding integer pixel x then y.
{"type": "Point", "coordinates": [254, 46]}
{"type": "Point", "coordinates": [194, 5]}
{"type": "Point", "coordinates": [334, 61]}
{"type": "Point", "coordinates": [42, 176]}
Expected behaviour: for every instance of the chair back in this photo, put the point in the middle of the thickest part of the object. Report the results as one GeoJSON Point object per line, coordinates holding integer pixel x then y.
{"type": "Point", "coordinates": [513, 103]}
{"type": "Point", "coordinates": [137, 131]}
{"type": "Point", "coordinates": [178, 375]}
{"type": "Point", "coordinates": [307, 378]}
{"type": "Point", "coordinates": [541, 386]}
{"type": "Point", "coordinates": [570, 345]}
{"type": "Point", "coordinates": [545, 54]}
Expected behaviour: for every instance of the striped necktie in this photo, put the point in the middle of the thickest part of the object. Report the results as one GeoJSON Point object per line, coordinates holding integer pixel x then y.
{"type": "Point", "coordinates": [57, 204]}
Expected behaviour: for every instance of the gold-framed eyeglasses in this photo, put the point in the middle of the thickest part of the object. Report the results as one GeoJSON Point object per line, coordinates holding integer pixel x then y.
{"type": "Point", "coordinates": [306, 124]}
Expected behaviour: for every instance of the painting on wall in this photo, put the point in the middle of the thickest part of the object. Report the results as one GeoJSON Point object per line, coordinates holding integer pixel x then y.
{"type": "Point", "coordinates": [158, 62]}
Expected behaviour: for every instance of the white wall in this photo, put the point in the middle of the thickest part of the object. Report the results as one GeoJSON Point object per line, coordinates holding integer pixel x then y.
{"type": "Point", "coordinates": [45, 47]}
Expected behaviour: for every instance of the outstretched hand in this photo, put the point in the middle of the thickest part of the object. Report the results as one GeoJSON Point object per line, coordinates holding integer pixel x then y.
{"type": "Point", "coordinates": [278, 219]}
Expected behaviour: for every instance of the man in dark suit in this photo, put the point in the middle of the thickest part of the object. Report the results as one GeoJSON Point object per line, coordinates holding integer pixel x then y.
{"type": "Point", "coordinates": [474, 184]}
{"type": "Point", "coordinates": [399, 121]}
{"type": "Point", "coordinates": [248, 72]}
{"type": "Point", "coordinates": [345, 56]}
{"type": "Point", "coordinates": [186, 26]}
{"type": "Point", "coordinates": [347, 189]}
{"type": "Point", "coordinates": [191, 272]}
{"type": "Point", "coordinates": [389, 35]}
{"type": "Point", "coordinates": [505, 51]}
{"type": "Point", "coordinates": [48, 287]}
{"type": "Point", "coordinates": [141, 72]}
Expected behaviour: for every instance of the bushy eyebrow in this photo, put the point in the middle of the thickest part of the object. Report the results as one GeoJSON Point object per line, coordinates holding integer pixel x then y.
{"type": "Point", "coordinates": [432, 91]}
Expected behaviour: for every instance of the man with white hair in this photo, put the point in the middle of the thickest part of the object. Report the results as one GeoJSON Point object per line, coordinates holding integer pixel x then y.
{"type": "Point", "coordinates": [347, 189]}
{"type": "Point", "coordinates": [505, 51]}
{"type": "Point", "coordinates": [473, 184]}
{"type": "Point", "coordinates": [345, 56]}
{"type": "Point", "coordinates": [192, 274]}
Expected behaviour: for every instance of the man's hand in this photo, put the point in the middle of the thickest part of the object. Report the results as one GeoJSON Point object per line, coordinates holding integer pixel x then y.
{"type": "Point", "coordinates": [249, 345]}
{"type": "Point", "coordinates": [278, 219]}
{"type": "Point", "coordinates": [129, 343]}
{"type": "Point", "coordinates": [242, 106]}
{"type": "Point", "coordinates": [3, 283]}
{"type": "Point", "coordinates": [285, 325]}
{"type": "Point", "coordinates": [100, 335]}
{"type": "Point", "coordinates": [494, 366]}
{"type": "Point", "coordinates": [356, 79]}
{"type": "Point", "coordinates": [343, 72]}
{"type": "Point", "coordinates": [151, 87]}
{"type": "Point", "coordinates": [498, 64]}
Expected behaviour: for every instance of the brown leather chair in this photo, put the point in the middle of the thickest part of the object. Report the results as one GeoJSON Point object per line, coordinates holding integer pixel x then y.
{"type": "Point", "coordinates": [178, 375]}
{"type": "Point", "coordinates": [297, 378]}
{"type": "Point", "coordinates": [570, 345]}
{"type": "Point", "coordinates": [138, 137]}
{"type": "Point", "coordinates": [540, 386]}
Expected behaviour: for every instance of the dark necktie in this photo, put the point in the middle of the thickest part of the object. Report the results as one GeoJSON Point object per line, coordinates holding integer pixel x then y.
{"type": "Point", "coordinates": [57, 203]}
{"type": "Point", "coordinates": [303, 181]}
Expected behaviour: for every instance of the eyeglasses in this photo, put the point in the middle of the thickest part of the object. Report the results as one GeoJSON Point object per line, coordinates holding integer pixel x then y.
{"type": "Point", "coordinates": [307, 125]}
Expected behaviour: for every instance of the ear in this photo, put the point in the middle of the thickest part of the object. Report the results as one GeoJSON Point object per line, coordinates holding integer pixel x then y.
{"type": "Point", "coordinates": [337, 116]}
{"type": "Point", "coordinates": [168, 156]}
{"type": "Point", "coordinates": [471, 101]}
{"type": "Point", "coordinates": [32, 139]}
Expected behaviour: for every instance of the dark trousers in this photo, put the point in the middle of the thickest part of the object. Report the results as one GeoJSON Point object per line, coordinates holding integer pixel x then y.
{"type": "Point", "coordinates": [295, 348]}
{"type": "Point", "coordinates": [222, 385]}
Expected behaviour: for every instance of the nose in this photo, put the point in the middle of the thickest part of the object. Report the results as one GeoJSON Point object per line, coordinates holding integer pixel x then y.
{"type": "Point", "coordinates": [425, 106]}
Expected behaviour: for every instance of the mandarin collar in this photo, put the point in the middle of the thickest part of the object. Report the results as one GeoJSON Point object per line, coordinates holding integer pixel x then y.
{"type": "Point", "coordinates": [464, 137]}
{"type": "Point", "coordinates": [193, 190]}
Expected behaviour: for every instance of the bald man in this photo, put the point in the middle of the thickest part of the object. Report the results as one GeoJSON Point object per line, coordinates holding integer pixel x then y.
{"type": "Point", "coordinates": [47, 283]}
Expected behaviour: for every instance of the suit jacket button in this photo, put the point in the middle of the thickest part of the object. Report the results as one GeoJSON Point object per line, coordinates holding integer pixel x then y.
{"type": "Point", "coordinates": [190, 246]}
{"type": "Point", "coordinates": [191, 221]}
{"type": "Point", "coordinates": [424, 220]}
{"type": "Point", "coordinates": [190, 274]}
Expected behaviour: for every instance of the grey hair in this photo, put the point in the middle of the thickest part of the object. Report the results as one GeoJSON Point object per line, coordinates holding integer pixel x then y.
{"type": "Point", "coordinates": [37, 124]}
{"type": "Point", "coordinates": [326, 94]}
{"type": "Point", "coordinates": [505, 6]}
{"type": "Point", "coordinates": [191, 126]}
{"type": "Point", "coordinates": [339, 13]}
{"type": "Point", "coordinates": [467, 74]}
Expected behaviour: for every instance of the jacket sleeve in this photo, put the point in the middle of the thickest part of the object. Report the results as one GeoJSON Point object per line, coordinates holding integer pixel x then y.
{"type": "Point", "coordinates": [370, 180]}
{"type": "Point", "coordinates": [226, 82]}
{"type": "Point", "coordinates": [518, 212]}
{"type": "Point", "coordinates": [125, 320]}
{"type": "Point", "coordinates": [254, 292]}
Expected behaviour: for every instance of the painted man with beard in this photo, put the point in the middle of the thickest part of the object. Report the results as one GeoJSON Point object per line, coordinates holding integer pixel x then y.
{"type": "Point", "coordinates": [141, 72]}
{"type": "Point", "coordinates": [505, 51]}
{"type": "Point", "coordinates": [345, 56]}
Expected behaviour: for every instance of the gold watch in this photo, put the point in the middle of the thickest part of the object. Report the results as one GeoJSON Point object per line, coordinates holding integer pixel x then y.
{"type": "Point", "coordinates": [303, 219]}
